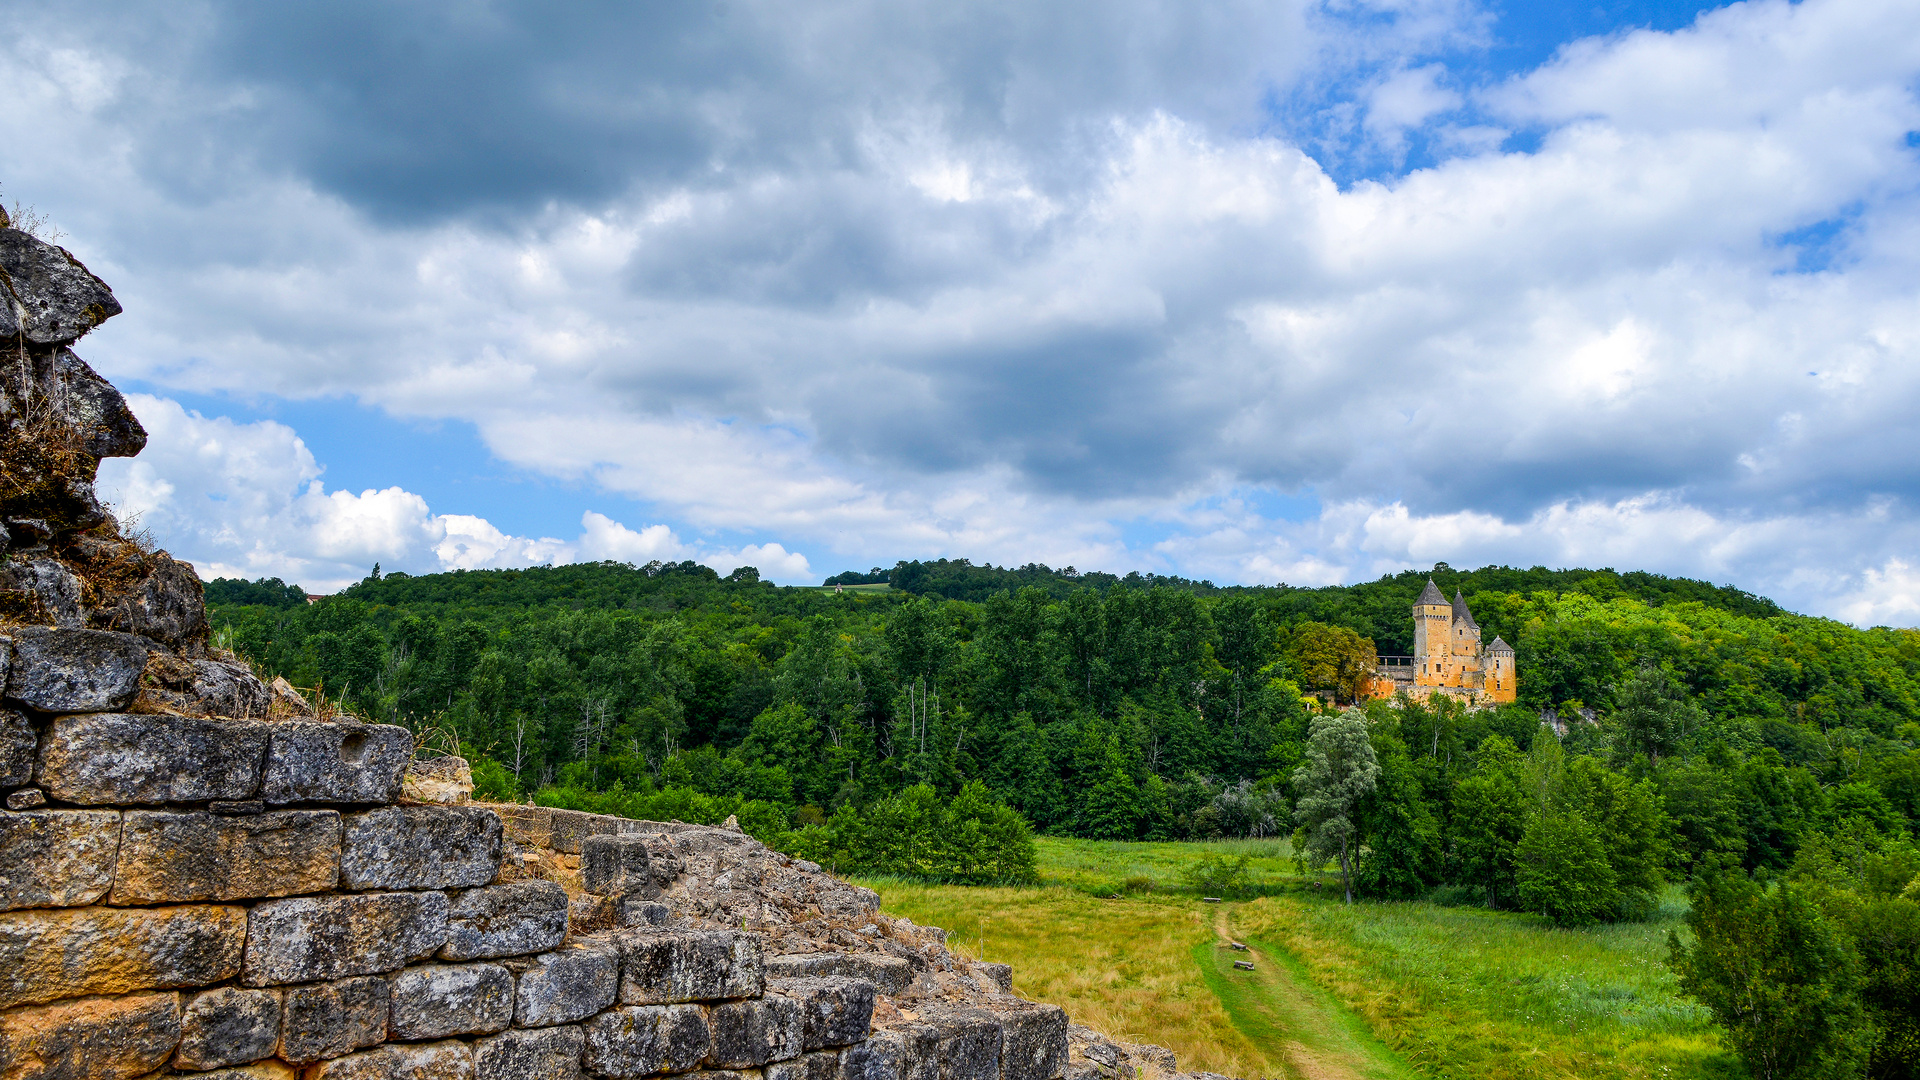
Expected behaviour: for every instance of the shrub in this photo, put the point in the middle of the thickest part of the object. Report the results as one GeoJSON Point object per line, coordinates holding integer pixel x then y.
{"type": "Point", "coordinates": [1220, 875]}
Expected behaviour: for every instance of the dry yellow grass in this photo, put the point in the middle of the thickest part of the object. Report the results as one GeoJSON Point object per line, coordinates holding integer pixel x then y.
{"type": "Point", "coordinates": [1124, 967]}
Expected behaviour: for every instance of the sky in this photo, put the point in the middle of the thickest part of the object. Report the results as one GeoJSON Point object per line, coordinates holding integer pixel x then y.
{"type": "Point", "coordinates": [1303, 291]}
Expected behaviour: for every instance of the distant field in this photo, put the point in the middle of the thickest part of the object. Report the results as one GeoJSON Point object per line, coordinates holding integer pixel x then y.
{"type": "Point", "coordinates": [882, 587]}
{"type": "Point", "coordinates": [1380, 990]}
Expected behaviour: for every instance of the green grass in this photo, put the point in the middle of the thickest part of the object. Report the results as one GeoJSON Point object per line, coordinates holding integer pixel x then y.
{"type": "Point", "coordinates": [880, 587]}
{"type": "Point", "coordinates": [1109, 866]}
{"type": "Point", "coordinates": [1378, 991]}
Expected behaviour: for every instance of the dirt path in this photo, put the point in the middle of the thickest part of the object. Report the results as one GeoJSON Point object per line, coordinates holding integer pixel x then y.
{"type": "Point", "coordinates": [1301, 1029]}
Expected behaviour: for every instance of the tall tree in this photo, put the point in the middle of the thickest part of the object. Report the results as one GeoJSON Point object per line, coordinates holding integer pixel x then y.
{"type": "Point", "coordinates": [1338, 771]}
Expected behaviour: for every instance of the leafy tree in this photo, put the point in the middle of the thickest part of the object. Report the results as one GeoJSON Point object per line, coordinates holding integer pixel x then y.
{"type": "Point", "coordinates": [1561, 870]}
{"type": "Point", "coordinates": [1653, 713]}
{"type": "Point", "coordinates": [1778, 977]}
{"type": "Point", "coordinates": [1339, 771]}
{"type": "Point", "coordinates": [1489, 818]}
{"type": "Point", "coordinates": [1332, 660]}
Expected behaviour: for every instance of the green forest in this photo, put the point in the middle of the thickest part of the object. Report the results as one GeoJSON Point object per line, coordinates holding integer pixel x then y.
{"type": "Point", "coordinates": [1667, 731]}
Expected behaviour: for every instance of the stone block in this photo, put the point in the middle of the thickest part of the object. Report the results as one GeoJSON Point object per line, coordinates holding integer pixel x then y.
{"type": "Point", "coordinates": [1000, 975]}
{"type": "Point", "coordinates": [17, 743]}
{"type": "Point", "coordinates": [343, 763]}
{"type": "Point", "coordinates": [755, 1031]}
{"type": "Point", "coordinates": [566, 985]}
{"type": "Point", "coordinates": [820, 1065]}
{"type": "Point", "coordinates": [119, 758]}
{"type": "Point", "coordinates": [949, 1042]}
{"type": "Point", "coordinates": [883, 1056]}
{"type": "Point", "coordinates": [56, 858]}
{"type": "Point", "coordinates": [437, 781]}
{"type": "Point", "coordinates": [551, 1053]}
{"type": "Point", "coordinates": [568, 829]}
{"type": "Point", "coordinates": [659, 966]}
{"type": "Point", "coordinates": [53, 297]}
{"type": "Point", "coordinates": [617, 866]}
{"type": "Point", "coordinates": [197, 855]}
{"type": "Point", "coordinates": [326, 1020]}
{"type": "Point", "coordinates": [726, 1074]}
{"type": "Point", "coordinates": [505, 920]}
{"type": "Point", "coordinates": [259, 1070]}
{"type": "Point", "coordinates": [889, 975]}
{"type": "Point", "coordinates": [90, 1038]}
{"type": "Point", "coordinates": [433, 1001]}
{"type": "Point", "coordinates": [74, 671]}
{"type": "Point", "coordinates": [420, 847]}
{"type": "Point", "coordinates": [228, 1026]}
{"type": "Point", "coordinates": [637, 911]}
{"type": "Point", "coordinates": [26, 799]}
{"type": "Point", "coordinates": [1033, 1039]}
{"type": "Point", "coordinates": [48, 955]}
{"type": "Point", "coordinates": [643, 1040]}
{"type": "Point", "coordinates": [528, 826]}
{"type": "Point", "coordinates": [838, 1011]}
{"type": "Point", "coordinates": [309, 939]}
{"type": "Point", "coordinates": [449, 1060]}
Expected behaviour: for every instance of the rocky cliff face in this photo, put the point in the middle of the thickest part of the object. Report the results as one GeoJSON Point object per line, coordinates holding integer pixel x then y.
{"type": "Point", "coordinates": [200, 876]}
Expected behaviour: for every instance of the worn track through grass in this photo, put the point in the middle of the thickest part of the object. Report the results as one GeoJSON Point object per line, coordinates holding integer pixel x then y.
{"type": "Point", "coordinates": [1302, 1031]}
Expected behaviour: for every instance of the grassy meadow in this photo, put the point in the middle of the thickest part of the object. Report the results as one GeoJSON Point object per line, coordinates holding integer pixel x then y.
{"type": "Point", "coordinates": [1378, 990]}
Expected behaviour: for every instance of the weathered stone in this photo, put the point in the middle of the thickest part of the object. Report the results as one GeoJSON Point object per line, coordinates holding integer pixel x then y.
{"type": "Point", "coordinates": [114, 758]}
{"type": "Point", "coordinates": [169, 606]}
{"type": "Point", "coordinates": [327, 1020]}
{"type": "Point", "coordinates": [56, 858]}
{"type": "Point", "coordinates": [433, 1001]}
{"type": "Point", "coordinates": [313, 762]}
{"type": "Point", "coordinates": [450, 1060]}
{"type": "Point", "coordinates": [567, 985]}
{"type": "Point", "coordinates": [568, 829]}
{"type": "Point", "coordinates": [17, 743]}
{"type": "Point", "coordinates": [838, 1010]}
{"type": "Point", "coordinates": [638, 911]}
{"type": "Point", "coordinates": [259, 1070]}
{"type": "Point", "coordinates": [437, 781]}
{"type": "Point", "coordinates": [420, 847]}
{"type": "Point", "coordinates": [1000, 975]}
{"type": "Point", "coordinates": [661, 966]}
{"type": "Point", "coordinates": [528, 826]}
{"type": "Point", "coordinates": [26, 799]}
{"type": "Point", "coordinates": [949, 1042]}
{"type": "Point", "coordinates": [48, 955]}
{"type": "Point", "coordinates": [167, 857]}
{"type": "Point", "coordinates": [883, 1056]}
{"type": "Point", "coordinates": [505, 920]}
{"type": "Point", "coordinates": [58, 298]}
{"type": "Point", "coordinates": [225, 688]}
{"type": "Point", "coordinates": [45, 590]}
{"type": "Point", "coordinates": [820, 1065]}
{"type": "Point", "coordinates": [726, 1074]}
{"type": "Point", "coordinates": [74, 671]}
{"type": "Point", "coordinates": [643, 1040]}
{"type": "Point", "coordinates": [540, 1054]}
{"type": "Point", "coordinates": [756, 1031]}
{"type": "Point", "coordinates": [1033, 1042]}
{"type": "Point", "coordinates": [616, 866]}
{"type": "Point", "coordinates": [228, 1026]}
{"type": "Point", "coordinates": [889, 975]}
{"type": "Point", "coordinates": [90, 1038]}
{"type": "Point", "coordinates": [308, 939]}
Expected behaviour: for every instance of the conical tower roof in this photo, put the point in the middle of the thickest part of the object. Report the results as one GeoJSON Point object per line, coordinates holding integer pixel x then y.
{"type": "Point", "coordinates": [1500, 646]}
{"type": "Point", "coordinates": [1460, 612]}
{"type": "Point", "coordinates": [1430, 595]}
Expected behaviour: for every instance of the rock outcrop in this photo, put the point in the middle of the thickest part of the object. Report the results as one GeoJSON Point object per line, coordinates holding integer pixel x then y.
{"type": "Point", "coordinates": [201, 876]}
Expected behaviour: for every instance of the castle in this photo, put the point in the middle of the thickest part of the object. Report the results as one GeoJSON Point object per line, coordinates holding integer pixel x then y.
{"type": "Point", "coordinates": [1447, 657]}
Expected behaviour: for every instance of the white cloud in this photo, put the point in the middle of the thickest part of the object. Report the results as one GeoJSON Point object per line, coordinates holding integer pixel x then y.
{"type": "Point", "coordinates": [1010, 294]}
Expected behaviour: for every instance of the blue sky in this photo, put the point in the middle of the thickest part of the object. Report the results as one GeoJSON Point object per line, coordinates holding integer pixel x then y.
{"type": "Point", "coordinates": [1258, 291]}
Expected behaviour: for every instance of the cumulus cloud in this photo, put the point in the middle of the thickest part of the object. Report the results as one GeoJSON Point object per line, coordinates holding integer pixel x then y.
{"type": "Point", "coordinates": [246, 500]}
{"type": "Point", "coordinates": [1016, 284]}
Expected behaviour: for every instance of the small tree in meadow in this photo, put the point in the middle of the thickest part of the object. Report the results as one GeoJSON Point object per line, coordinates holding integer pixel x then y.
{"type": "Point", "coordinates": [1339, 770]}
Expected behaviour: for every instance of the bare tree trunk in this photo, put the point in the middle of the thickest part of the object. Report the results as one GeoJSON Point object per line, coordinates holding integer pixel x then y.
{"type": "Point", "coordinates": [1346, 879]}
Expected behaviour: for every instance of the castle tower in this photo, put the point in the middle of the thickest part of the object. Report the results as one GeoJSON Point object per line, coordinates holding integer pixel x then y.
{"type": "Point", "coordinates": [1466, 632]}
{"type": "Point", "coordinates": [1432, 637]}
{"type": "Point", "coordinates": [1501, 685]}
